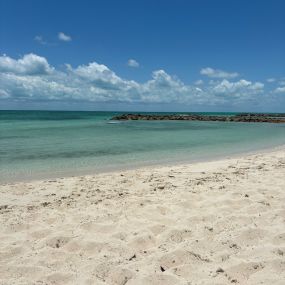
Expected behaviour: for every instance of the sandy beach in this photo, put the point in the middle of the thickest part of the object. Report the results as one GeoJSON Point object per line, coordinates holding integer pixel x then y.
{"type": "Point", "coordinates": [219, 222]}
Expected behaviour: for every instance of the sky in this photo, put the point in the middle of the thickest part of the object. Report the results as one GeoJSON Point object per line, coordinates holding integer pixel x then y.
{"type": "Point", "coordinates": [163, 55]}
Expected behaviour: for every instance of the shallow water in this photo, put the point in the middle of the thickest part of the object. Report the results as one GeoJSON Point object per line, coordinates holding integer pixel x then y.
{"type": "Point", "coordinates": [35, 144]}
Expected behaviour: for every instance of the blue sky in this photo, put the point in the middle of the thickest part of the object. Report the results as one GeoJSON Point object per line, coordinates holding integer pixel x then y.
{"type": "Point", "coordinates": [207, 55]}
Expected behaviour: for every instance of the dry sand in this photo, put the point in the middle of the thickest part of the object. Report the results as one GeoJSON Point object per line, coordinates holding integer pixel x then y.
{"type": "Point", "coordinates": [220, 222]}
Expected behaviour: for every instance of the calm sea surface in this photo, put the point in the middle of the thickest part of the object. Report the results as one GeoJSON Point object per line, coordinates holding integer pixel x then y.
{"type": "Point", "coordinates": [41, 144]}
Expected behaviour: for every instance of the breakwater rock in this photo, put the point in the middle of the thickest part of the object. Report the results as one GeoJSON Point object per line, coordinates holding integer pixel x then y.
{"type": "Point", "coordinates": [243, 117]}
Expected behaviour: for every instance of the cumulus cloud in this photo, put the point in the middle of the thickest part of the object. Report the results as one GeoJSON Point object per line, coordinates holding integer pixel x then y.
{"type": "Point", "coordinates": [164, 88]}
{"type": "Point", "coordinates": [63, 37]}
{"type": "Point", "coordinates": [133, 63]}
{"type": "Point", "coordinates": [95, 72]}
{"type": "Point", "coordinates": [29, 64]}
{"type": "Point", "coordinates": [32, 78]}
{"type": "Point", "coordinates": [217, 73]}
{"type": "Point", "coordinates": [239, 88]}
{"type": "Point", "coordinates": [279, 90]}
{"type": "Point", "coordinates": [257, 86]}
{"type": "Point", "coordinates": [230, 87]}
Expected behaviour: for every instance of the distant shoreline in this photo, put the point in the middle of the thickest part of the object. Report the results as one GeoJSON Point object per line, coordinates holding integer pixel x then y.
{"type": "Point", "coordinates": [243, 117]}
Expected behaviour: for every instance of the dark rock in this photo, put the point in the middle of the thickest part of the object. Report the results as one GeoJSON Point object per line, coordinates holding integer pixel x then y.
{"type": "Point", "coordinates": [243, 117]}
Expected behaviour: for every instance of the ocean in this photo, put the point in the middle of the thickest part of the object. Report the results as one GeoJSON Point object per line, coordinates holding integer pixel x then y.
{"type": "Point", "coordinates": [46, 144]}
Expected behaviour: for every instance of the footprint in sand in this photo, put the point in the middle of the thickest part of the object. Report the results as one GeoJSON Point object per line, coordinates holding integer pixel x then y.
{"type": "Point", "coordinates": [143, 242]}
{"type": "Point", "coordinates": [243, 271]}
{"type": "Point", "coordinates": [119, 276]}
{"type": "Point", "coordinates": [60, 278]}
{"type": "Point", "coordinates": [178, 236]}
{"type": "Point", "coordinates": [181, 257]}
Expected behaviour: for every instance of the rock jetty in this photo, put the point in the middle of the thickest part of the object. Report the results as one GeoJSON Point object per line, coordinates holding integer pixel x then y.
{"type": "Point", "coordinates": [243, 117]}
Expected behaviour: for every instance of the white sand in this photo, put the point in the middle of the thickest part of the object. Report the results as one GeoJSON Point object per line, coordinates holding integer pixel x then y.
{"type": "Point", "coordinates": [219, 222]}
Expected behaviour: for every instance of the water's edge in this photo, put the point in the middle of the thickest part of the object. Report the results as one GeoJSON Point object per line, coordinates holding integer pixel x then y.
{"type": "Point", "coordinates": [143, 166]}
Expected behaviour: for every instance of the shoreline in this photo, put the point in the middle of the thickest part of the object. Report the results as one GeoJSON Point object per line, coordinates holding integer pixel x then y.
{"type": "Point", "coordinates": [142, 166]}
{"type": "Point", "coordinates": [218, 222]}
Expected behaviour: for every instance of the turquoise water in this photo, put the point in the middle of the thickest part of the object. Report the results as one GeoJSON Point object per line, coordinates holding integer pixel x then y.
{"type": "Point", "coordinates": [40, 144]}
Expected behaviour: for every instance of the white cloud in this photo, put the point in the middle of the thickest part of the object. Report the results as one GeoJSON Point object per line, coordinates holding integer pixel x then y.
{"type": "Point", "coordinates": [97, 72]}
{"type": "Point", "coordinates": [40, 40]}
{"type": "Point", "coordinates": [32, 78]}
{"type": "Point", "coordinates": [257, 86]}
{"type": "Point", "coordinates": [29, 64]}
{"type": "Point", "coordinates": [216, 73]}
{"type": "Point", "coordinates": [133, 63]}
{"type": "Point", "coordinates": [199, 82]}
{"type": "Point", "coordinates": [279, 90]}
{"type": "Point", "coordinates": [165, 88]}
{"type": "Point", "coordinates": [230, 87]}
{"type": "Point", "coordinates": [239, 89]}
{"type": "Point", "coordinates": [4, 94]}
{"type": "Point", "coordinates": [63, 37]}
{"type": "Point", "coordinates": [271, 80]}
